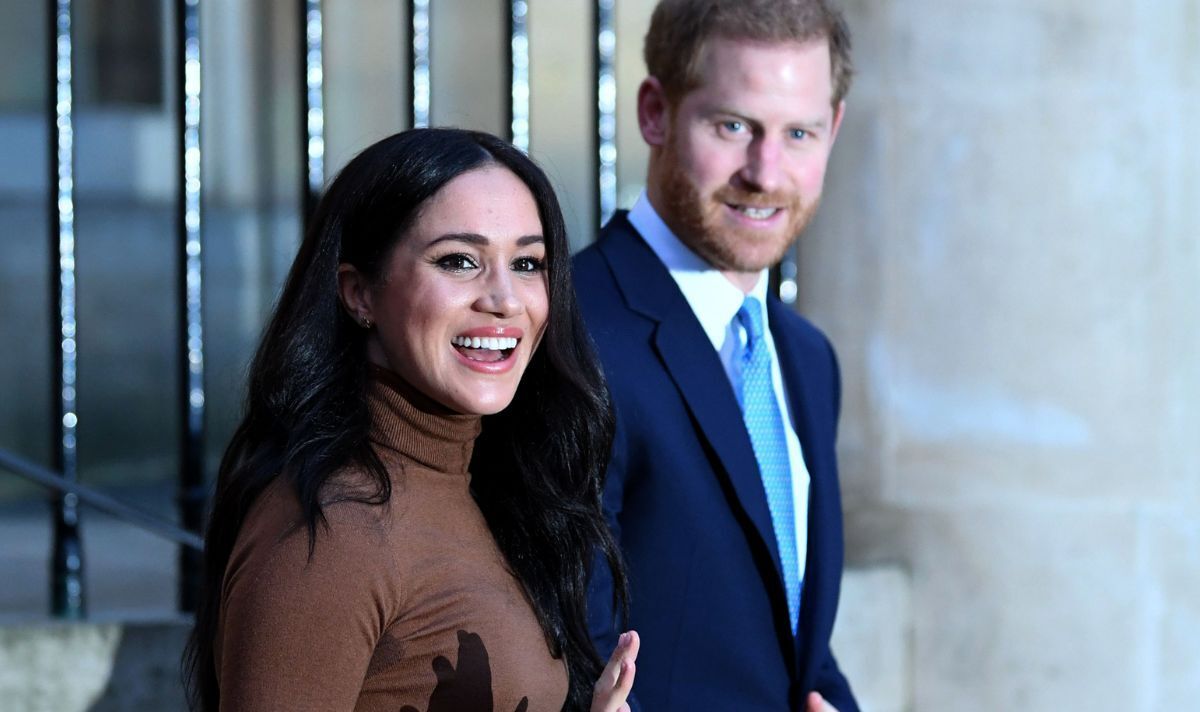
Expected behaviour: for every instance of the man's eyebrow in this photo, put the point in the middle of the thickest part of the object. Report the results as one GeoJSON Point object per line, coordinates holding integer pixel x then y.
{"type": "Point", "coordinates": [716, 110]}
{"type": "Point", "coordinates": [815, 124]}
{"type": "Point", "coordinates": [472, 238]}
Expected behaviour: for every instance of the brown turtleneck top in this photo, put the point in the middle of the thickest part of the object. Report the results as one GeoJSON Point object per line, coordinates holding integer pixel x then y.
{"type": "Point", "coordinates": [407, 606]}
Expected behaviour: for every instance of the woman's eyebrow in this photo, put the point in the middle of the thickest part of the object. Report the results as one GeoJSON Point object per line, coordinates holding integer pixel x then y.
{"type": "Point", "coordinates": [472, 238]}
{"type": "Point", "coordinates": [467, 237]}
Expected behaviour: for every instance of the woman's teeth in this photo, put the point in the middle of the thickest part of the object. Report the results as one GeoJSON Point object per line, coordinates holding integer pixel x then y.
{"type": "Point", "coordinates": [757, 213]}
{"type": "Point", "coordinates": [492, 343]}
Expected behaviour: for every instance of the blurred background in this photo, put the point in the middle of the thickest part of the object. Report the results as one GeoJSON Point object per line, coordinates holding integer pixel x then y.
{"type": "Point", "coordinates": [1007, 260]}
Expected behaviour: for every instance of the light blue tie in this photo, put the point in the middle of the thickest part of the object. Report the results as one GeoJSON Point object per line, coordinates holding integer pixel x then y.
{"type": "Point", "coordinates": [764, 422]}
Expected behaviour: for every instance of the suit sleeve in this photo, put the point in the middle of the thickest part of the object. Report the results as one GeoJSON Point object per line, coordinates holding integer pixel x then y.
{"type": "Point", "coordinates": [832, 685]}
{"type": "Point", "coordinates": [604, 621]}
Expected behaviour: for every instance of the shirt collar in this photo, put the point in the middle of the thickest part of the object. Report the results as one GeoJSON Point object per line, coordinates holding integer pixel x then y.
{"type": "Point", "coordinates": [714, 299]}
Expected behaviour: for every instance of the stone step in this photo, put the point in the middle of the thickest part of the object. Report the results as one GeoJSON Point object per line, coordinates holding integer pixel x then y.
{"type": "Point", "coordinates": [92, 666]}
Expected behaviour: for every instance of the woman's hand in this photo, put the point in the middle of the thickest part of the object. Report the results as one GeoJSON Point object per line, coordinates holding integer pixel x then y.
{"type": "Point", "coordinates": [616, 681]}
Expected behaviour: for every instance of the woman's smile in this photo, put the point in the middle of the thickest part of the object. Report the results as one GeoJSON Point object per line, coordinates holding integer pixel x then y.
{"type": "Point", "coordinates": [488, 349]}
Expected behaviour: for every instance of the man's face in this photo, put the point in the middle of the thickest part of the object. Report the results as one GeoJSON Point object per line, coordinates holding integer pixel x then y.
{"type": "Point", "coordinates": [741, 159]}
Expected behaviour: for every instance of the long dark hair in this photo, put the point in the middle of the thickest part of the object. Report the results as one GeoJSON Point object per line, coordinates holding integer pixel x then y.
{"type": "Point", "coordinates": [538, 465]}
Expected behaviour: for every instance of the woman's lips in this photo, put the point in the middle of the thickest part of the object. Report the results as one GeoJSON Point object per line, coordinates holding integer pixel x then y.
{"type": "Point", "coordinates": [487, 349]}
{"type": "Point", "coordinates": [514, 332]}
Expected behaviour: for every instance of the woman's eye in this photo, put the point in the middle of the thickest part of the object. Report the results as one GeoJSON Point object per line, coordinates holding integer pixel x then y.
{"type": "Point", "coordinates": [457, 262]}
{"type": "Point", "coordinates": [528, 264]}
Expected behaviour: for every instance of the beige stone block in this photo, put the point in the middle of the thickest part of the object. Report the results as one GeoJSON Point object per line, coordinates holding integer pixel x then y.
{"type": "Point", "coordinates": [872, 638]}
{"type": "Point", "coordinates": [1169, 35]}
{"type": "Point", "coordinates": [1007, 259]}
{"type": "Point", "coordinates": [1171, 609]}
{"type": "Point", "coordinates": [839, 260]}
{"type": "Point", "coordinates": [632, 20]}
{"type": "Point", "coordinates": [560, 50]}
{"type": "Point", "coordinates": [93, 666]}
{"type": "Point", "coordinates": [56, 668]}
{"type": "Point", "coordinates": [1002, 291]}
{"type": "Point", "coordinates": [1013, 344]}
{"type": "Point", "coordinates": [1177, 322]}
{"type": "Point", "coordinates": [364, 51]}
{"type": "Point", "coordinates": [1023, 41]}
{"type": "Point", "coordinates": [1023, 609]}
{"type": "Point", "coordinates": [469, 86]}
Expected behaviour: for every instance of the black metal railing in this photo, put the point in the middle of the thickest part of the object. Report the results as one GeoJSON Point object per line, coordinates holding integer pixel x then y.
{"type": "Point", "coordinates": [67, 592]}
{"type": "Point", "coordinates": [67, 578]}
{"type": "Point", "coordinates": [96, 499]}
{"type": "Point", "coordinates": [189, 247]}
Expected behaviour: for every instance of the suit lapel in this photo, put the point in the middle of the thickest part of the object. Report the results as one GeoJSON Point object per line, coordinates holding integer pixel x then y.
{"type": "Point", "coordinates": [694, 366]}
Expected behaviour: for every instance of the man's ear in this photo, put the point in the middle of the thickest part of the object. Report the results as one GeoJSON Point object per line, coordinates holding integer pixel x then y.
{"type": "Point", "coordinates": [653, 111]}
{"type": "Point", "coordinates": [355, 293]}
{"type": "Point", "coordinates": [838, 115]}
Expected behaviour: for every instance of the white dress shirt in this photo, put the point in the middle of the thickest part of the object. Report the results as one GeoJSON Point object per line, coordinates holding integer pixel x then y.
{"type": "Point", "coordinates": [716, 301]}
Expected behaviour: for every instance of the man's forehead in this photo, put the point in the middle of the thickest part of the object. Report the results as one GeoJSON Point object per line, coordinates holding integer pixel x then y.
{"type": "Point", "coordinates": [799, 71]}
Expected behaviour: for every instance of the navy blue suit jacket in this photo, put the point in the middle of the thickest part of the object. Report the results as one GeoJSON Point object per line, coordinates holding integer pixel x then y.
{"type": "Point", "coordinates": [685, 500]}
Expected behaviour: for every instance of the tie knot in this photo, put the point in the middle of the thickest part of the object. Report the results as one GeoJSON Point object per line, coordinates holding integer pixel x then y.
{"type": "Point", "coordinates": [752, 320]}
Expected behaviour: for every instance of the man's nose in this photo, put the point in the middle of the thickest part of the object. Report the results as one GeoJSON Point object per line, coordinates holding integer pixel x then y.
{"type": "Point", "coordinates": [763, 170]}
{"type": "Point", "coordinates": [498, 294]}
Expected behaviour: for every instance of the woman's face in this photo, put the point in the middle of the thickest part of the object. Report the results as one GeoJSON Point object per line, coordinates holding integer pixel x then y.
{"type": "Point", "coordinates": [462, 302]}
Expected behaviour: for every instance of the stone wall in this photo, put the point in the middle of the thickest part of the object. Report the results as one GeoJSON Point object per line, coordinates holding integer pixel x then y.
{"type": "Point", "coordinates": [1007, 260]}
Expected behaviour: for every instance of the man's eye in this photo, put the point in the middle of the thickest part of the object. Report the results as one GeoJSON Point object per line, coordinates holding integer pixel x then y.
{"type": "Point", "coordinates": [528, 264]}
{"type": "Point", "coordinates": [457, 262]}
{"type": "Point", "coordinates": [799, 134]}
{"type": "Point", "coordinates": [732, 126]}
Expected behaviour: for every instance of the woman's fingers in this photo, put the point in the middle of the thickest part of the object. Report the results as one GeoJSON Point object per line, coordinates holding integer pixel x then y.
{"type": "Point", "coordinates": [627, 646]}
{"type": "Point", "coordinates": [616, 680]}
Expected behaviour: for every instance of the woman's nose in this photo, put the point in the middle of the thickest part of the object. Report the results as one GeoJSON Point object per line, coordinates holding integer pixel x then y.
{"type": "Point", "coordinates": [499, 295]}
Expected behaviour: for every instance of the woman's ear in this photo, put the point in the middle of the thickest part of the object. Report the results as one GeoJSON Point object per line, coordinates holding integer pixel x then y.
{"type": "Point", "coordinates": [355, 293]}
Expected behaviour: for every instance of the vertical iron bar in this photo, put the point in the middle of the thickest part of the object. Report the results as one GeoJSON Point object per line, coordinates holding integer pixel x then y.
{"type": "Point", "coordinates": [312, 68]}
{"type": "Point", "coordinates": [67, 594]}
{"type": "Point", "coordinates": [191, 335]}
{"type": "Point", "coordinates": [606, 111]}
{"type": "Point", "coordinates": [518, 74]}
{"type": "Point", "coordinates": [419, 88]}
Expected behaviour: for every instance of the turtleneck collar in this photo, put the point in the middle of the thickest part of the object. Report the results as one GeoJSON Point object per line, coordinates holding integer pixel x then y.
{"type": "Point", "coordinates": [417, 428]}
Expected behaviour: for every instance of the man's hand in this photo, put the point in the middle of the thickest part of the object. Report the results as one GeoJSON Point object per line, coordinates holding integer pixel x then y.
{"type": "Point", "coordinates": [816, 703]}
{"type": "Point", "coordinates": [615, 683]}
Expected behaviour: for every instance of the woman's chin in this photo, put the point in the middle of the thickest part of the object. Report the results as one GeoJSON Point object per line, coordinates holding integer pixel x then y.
{"type": "Point", "coordinates": [486, 401]}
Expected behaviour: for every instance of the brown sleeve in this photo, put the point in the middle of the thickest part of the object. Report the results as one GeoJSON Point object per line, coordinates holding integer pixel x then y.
{"type": "Point", "coordinates": [298, 633]}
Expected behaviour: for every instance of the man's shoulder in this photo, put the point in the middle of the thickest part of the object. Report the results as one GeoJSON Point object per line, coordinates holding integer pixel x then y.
{"type": "Point", "coordinates": [594, 266]}
{"type": "Point", "coordinates": [616, 229]}
{"type": "Point", "coordinates": [786, 322]}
